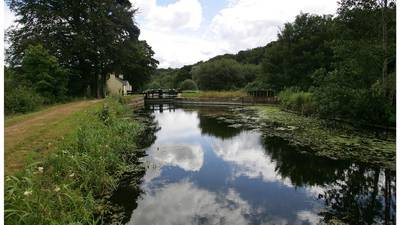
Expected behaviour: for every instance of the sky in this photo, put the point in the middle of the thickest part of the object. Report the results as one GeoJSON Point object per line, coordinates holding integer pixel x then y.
{"type": "Point", "coordinates": [183, 32]}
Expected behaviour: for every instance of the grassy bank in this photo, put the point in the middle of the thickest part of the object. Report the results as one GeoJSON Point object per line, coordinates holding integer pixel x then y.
{"type": "Point", "coordinates": [72, 184]}
{"type": "Point", "coordinates": [329, 139]}
{"type": "Point", "coordinates": [35, 134]}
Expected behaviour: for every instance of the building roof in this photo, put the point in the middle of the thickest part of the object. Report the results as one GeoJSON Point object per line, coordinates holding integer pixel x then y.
{"type": "Point", "coordinates": [124, 82]}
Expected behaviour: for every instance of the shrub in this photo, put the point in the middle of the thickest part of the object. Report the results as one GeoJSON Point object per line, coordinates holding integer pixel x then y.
{"type": "Point", "coordinates": [21, 99]}
{"type": "Point", "coordinates": [300, 101]}
{"type": "Point", "coordinates": [188, 84]}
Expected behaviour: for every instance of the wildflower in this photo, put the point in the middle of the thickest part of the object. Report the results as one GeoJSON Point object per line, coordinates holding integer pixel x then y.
{"type": "Point", "coordinates": [27, 193]}
{"type": "Point", "coordinates": [40, 169]}
{"type": "Point", "coordinates": [57, 189]}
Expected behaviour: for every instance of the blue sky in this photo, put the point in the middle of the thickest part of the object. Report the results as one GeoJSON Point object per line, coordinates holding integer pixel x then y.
{"type": "Point", "coordinates": [183, 32]}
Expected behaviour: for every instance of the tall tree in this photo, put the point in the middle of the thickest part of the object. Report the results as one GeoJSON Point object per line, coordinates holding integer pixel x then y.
{"type": "Point", "coordinates": [86, 36]}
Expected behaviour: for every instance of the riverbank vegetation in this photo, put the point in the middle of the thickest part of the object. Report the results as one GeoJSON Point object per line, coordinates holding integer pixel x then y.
{"type": "Point", "coordinates": [336, 67]}
{"type": "Point", "coordinates": [73, 184]}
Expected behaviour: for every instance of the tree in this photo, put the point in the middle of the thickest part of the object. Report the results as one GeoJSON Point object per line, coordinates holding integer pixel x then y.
{"type": "Point", "coordinates": [302, 48]}
{"type": "Point", "coordinates": [86, 36]}
{"type": "Point", "coordinates": [43, 72]}
{"type": "Point", "coordinates": [222, 74]}
{"type": "Point", "coordinates": [135, 61]}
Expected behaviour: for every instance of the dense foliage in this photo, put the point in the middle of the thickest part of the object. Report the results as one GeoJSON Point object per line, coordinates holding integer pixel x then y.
{"type": "Point", "coordinates": [90, 39]}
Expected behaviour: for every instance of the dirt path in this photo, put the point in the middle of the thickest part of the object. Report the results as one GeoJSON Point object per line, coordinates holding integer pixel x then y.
{"type": "Point", "coordinates": [39, 131]}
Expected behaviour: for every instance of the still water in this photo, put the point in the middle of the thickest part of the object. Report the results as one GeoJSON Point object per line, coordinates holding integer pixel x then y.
{"type": "Point", "coordinates": [201, 170]}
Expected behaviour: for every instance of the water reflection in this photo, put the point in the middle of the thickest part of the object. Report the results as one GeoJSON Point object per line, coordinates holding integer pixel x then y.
{"type": "Point", "coordinates": [187, 157]}
{"type": "Point", "coordinates": [246, 152]}
{"type": "Point", "coordinates": [210, 125]}
{"type": "Point", "coordinates": [203, 172]}
{"type": "Point", "coordinates": [184, 203]}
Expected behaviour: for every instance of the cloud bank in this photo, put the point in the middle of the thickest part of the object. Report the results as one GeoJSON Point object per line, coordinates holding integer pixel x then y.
{"type": "Point", "coordinates": [180, 35]}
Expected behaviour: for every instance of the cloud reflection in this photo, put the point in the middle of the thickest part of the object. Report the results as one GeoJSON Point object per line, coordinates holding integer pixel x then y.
{"type": "Point", "coordinates": [176, 130]}
{"type": "Point", "coordinates": [187, 157]}
{"type": "Point", "coordinates": [184, 203]}
{"type": "Point", "coordinates": [247, 153]}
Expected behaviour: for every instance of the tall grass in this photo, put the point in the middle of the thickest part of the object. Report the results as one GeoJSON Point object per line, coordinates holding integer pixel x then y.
{"type": "Point", "coordinates": [296, 100]}
{"type": "Point", "coordinates": [73, 184]}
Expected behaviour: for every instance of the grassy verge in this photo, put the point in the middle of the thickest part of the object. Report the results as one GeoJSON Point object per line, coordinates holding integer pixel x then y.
{"type": "Point", "coordinates": [18, 117]}
{"type": "Point", "coordinates": [71, 184]}
{"type": "Point", "coordinates": [326, 139]}
{"type": "Point", "coordinates": [214, 94]}
{"type": "Point", "coordinates": [35, 134]}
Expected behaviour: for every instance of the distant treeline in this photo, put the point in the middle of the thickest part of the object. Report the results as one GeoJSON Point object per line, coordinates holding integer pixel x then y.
{"type": "Point", "coordinates": [340, 66]}
{"type": "Point", "coordinates": [67, 48]}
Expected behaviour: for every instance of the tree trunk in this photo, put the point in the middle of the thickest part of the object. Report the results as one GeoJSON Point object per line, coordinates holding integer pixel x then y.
{"type": "Point", "coordinates": [385, 48]}
{"type": "Point", "coordinates": [94, 85]}
{"type": "Point", "coordinates": [388, 197]}
{"type": "Point", "coordinates": [103, 85]}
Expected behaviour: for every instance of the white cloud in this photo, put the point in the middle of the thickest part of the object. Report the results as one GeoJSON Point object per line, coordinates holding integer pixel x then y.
{"type": "Point", "coordinates": [183, 14]}
{"type": "Point", "coordinates": [251, 23]}
{"type": "Point", "coordinates": [8, 17]}
{"type": "Point", "coordinates": [174, 49]}
{"type": "Point", "coordinates": [179, 37]}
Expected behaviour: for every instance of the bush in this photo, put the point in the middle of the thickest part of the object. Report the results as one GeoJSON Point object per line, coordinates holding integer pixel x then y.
{"type": "Point", "coordinates": [300, 101]}
{"type": "Point", "coordinates": [21, 99]}
{"type": "Point", "coordinates": [188, 84]}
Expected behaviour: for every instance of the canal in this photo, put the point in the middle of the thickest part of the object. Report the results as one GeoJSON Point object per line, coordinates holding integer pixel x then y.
{"type": "Point", "coordinates": [203, 170]}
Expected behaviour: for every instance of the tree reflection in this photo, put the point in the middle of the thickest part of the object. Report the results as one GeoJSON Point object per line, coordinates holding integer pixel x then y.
{"type": "Point", "coordinates": [302, 169]}
{"type": "Point", "coordinates": [210, 125]}
{"type": "Point", "coordinates": [353, 193]}
{"type": "Point", "coordinates": [361, 196]}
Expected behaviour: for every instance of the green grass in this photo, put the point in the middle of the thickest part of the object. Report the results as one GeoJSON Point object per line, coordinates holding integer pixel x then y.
{"type": "Point", "coordinates": [15, 118]}
{"type": "Point", "coordinates": [72, 184]}
{"type": "Point", "coordinates": [343, 142]}
{"type": "Point", "coordinates": [36, 134]}
{"type": "Point", "coordinates": [214, 94]}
